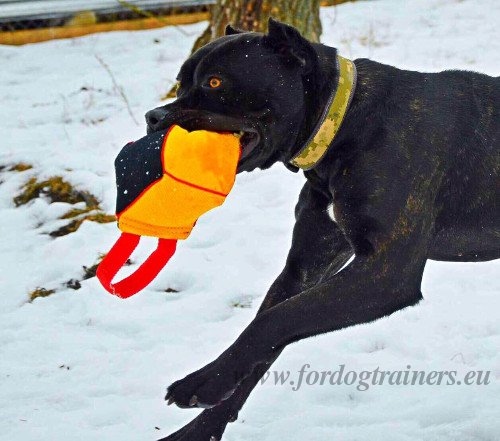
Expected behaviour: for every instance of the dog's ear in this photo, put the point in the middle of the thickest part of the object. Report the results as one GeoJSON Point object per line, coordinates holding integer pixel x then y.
{"type": "Point", "coordinates": [232, 31]}
{"type": "Point", "coordinates": [287, 41]}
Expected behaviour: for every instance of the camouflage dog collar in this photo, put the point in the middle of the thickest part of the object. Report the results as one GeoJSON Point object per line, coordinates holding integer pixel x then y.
{"type": "Point", "coordinates": [331, 119]}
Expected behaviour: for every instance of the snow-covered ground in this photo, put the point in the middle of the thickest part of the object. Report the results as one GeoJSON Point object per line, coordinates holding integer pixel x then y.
{"type": "Point", "coordinates": [83, 365]}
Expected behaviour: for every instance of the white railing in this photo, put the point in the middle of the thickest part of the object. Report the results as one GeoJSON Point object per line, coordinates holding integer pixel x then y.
{"type": "Point", "coordinates": [25, 9]}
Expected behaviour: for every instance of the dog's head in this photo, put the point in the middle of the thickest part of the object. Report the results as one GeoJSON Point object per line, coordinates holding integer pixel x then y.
{"type": "Point", "coordinates": [255, 85]}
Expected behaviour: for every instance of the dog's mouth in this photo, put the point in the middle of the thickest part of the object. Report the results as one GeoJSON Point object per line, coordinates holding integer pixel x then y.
{"type": "Point", "coordinates": [246, 131]}
{"type": "Point", "coordinates": [249, 140]}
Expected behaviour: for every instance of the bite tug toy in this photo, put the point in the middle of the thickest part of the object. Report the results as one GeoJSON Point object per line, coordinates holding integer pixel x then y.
{"type": "Point", "coordinates": [165, 182]}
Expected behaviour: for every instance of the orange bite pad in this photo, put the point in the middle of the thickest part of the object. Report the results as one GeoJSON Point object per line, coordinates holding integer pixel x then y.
{"type": "Point", "coordinates": [199, 169]}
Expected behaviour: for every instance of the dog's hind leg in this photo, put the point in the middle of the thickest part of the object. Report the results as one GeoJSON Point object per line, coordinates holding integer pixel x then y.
{"type": "Point", "coordinates": [318, 246]}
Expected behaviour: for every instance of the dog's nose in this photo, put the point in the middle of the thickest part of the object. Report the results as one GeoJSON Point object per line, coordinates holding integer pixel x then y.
{"type": "Point", "coordinates": [155, 117]}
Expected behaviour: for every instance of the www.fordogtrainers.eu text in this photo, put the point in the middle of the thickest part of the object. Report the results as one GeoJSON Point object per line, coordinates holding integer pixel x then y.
{"type": "Point", "coordinates": [363, 380]}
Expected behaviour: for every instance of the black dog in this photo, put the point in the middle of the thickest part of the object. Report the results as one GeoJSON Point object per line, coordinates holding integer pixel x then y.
{"type": "Point", "coordinates": [412, 174]}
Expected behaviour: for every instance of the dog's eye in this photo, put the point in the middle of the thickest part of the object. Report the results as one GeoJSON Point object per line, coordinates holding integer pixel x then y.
{"type": "Point", "coordinates": [214, 82]}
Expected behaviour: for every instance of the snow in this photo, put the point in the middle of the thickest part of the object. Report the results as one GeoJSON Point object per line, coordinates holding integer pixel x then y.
{"type": "Point", "coordinates": [89, 366]}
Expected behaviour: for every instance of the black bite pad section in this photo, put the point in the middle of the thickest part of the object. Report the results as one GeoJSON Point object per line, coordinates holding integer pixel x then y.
{"type": "Point", "coordinates": [137, 166]}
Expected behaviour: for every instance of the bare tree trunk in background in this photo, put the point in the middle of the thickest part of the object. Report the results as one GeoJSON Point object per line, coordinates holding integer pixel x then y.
{"type": "Point", "coordinates": [252, 15]}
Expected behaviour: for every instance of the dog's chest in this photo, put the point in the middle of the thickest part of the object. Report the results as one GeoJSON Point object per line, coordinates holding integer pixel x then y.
{"type": "Point", "coordinates": [331, 212]}
{"type": "Point", "coordinates": [338, 215]}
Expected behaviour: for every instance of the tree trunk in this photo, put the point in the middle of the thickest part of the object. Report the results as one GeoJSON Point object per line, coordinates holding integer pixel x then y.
{"type": "Point", "coordinates": [252, 15]}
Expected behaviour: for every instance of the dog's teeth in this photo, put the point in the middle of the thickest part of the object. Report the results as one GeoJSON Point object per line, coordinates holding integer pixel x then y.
{"type": "Point", "coordinates": [193, 401]}
{"type": "Point", "coordinates": [238, 134]}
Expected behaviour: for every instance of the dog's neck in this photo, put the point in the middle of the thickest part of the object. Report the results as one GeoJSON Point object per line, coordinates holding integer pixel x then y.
{"type": "Point", "coordinates": [331, 118]}
{"type": "Point", "coordinates": [329, 92]}
{"type": "Point", "coordinates": [362, 122]}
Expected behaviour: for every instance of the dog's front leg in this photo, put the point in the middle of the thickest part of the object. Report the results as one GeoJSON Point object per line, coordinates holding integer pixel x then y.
{"type": "Point", "coordinates": [318, 247]}
{"type": "Point", "coordinates": [374, 285]}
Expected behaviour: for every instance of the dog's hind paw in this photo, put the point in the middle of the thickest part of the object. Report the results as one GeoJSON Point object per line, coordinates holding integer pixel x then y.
{"type": "Point", "coordinates": [208, 426]}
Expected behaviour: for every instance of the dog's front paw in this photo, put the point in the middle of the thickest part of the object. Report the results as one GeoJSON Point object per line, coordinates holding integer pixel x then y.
{"type": "Point", "coordinates": [204, 388]}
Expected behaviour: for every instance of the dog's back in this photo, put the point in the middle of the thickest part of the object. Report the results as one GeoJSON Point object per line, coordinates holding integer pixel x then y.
{"type": "Point", "coordinates": [465, 124]}
{"type": "Point", "coordinates": [451, 118]}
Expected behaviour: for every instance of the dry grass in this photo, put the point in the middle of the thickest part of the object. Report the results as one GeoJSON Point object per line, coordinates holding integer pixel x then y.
{"type": "Point", "coordinates": [89, 271]}
{"type": "Point", "coordinates": [40, 292]}
{"type": "Point", "coordinates": [73, 284]}
{"type": "Point", "coordinates": [75, 212]}
{"type": "Point", "coordinates": [20, 167]}
{"type": "Point", "coordinates": [242, 303]}
{"type": "Point", "coordinates": [99, 217]}
{"type": "Point", "coordinates": [56, 189]}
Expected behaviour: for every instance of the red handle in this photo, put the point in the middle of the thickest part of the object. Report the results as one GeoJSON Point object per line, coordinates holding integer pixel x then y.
{"type": "Point", "coordinates": [143, 276]}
